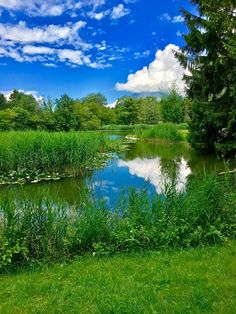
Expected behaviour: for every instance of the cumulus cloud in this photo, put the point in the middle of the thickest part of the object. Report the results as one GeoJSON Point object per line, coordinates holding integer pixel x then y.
{"type": "Point", "coordinates": [160, 76]}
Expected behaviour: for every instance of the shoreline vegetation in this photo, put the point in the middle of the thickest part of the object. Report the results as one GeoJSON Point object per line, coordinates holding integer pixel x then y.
{"type": "Point", "coordinates": [41, 230]}
{"type": "Point", "coordinates": [34, 156]}
{"type": "Point", "coordinates": [163, 132]}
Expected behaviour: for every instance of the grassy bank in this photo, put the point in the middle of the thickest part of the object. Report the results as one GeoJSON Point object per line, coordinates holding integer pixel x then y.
{"type": "Point", "coordinates": [31, 156]}
{"type": "Point", "coordinates": [200, 280]}
{"type": "Point", "coordinates": [41, 229]}
{"type": "Point", "coordinates": [162, 132]}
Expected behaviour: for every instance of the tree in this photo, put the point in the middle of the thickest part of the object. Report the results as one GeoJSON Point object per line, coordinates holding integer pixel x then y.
{"type": "Point", "coordinates": [172, 108]}
{"type": "Point", "coordinates": [64, 113]}
{"type": "Point", "coordinates": [210, 54]}
{"type": "Point", "coordinates": [97, 98]}
{"type": "Point", "coordinates": [3, 102]}
{"type": "Point", "coordinates": [148, 110]}
{"type": "Point", "coordinates": [127, 110]}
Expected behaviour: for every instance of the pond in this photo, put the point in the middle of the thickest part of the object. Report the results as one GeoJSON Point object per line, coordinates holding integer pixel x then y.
{"type": "Point", "coordinates": [144, 164]}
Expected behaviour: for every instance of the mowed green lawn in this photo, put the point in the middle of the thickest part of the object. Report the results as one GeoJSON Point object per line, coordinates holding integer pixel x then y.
{"type": "Point", "coordinates": [201, 280]}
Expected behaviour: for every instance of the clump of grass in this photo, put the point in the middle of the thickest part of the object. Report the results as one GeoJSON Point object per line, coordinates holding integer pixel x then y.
{"type": "Point", "coordinates": [33, 230]}
{"type": "Point", "coordinates": [162, 131]}
{"type": "Point", "coordinates": [26, 154]}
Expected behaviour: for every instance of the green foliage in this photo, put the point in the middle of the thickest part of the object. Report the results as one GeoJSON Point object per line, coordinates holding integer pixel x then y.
{"type": "Point", "coordinates": [172, 108]}
{"type": "Point", "coordinates": [162, 131]}
{"type": "Point", "coordinates": [24, 112]}
{"type": "Point", "coordinates": [3, 102]}
{"type": "Point", "coordinates": [148, 110]}
{"type": "Point", "coordinates": [9, 250]}
{"type": "Point", "coordinates": [203, 214]}
{"type": "Point", "coordinates": [127, 110]}
{"type": "Point", "coordinates": [210, 55]}
{"type": "Point", "coordinates": [50, 153]}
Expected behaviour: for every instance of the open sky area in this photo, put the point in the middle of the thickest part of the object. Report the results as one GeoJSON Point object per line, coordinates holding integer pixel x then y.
{"type": "Point", "coordinates": [115, 47]}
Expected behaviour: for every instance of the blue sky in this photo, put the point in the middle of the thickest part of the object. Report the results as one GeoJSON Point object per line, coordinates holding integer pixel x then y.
{"type": "Point", "coordinates": [57, 46]}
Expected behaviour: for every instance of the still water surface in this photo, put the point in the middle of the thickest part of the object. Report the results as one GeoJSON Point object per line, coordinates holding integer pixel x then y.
{"type": "Point", "coordinates": [145, 164]}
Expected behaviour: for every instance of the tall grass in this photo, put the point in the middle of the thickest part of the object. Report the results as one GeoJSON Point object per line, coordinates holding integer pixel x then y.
{"type": "Point", "coordinates": [162, 131]}
{"type": "Point", "coordinates": [203, 214]}
{"type": "Point", "coordinates": [120, 127]}
{"type": "Point", "coordinates": [49, 152]}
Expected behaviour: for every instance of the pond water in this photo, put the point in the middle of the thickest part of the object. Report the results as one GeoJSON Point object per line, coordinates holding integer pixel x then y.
{"type": "Point", "coordinates": [144, 164]}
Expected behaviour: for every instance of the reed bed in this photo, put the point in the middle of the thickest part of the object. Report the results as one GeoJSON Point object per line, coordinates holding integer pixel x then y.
{"type": "Point", "coordinates": [41, 229]}
{"type": "Point", "coordinates": [26, 152]}
{"type": "Point", "coordinates": [162, 131]}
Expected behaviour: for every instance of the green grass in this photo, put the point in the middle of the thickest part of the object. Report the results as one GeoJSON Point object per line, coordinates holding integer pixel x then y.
{"type": "Point", "coordinates": [22, 153]}
{"type": "Point", "coordinates": [162, 132]}
{"type": "Point", "coordinates": [200, 280]}
{"type": "Point", "coordinates": [117, 127]}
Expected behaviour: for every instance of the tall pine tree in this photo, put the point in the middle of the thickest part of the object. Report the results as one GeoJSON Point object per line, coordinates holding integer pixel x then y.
{"type": "Point", "coordinates": [210, 55]}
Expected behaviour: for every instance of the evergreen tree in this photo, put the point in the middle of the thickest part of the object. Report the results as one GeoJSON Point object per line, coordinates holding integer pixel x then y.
{"type": "Point", "coordinates": [210, 54]}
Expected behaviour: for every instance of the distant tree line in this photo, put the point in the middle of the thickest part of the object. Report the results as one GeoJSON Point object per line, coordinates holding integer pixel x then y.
{"type": "Point", "coordinates": [21, 112]}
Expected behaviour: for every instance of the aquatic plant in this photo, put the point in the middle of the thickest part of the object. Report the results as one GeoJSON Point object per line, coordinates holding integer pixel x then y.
{"type": "Point", "coordinates": [42, 229]}
{"type": "Point", "coordinates": [33, 156]}
{"type": "Point", "coordinates": [162, 131]}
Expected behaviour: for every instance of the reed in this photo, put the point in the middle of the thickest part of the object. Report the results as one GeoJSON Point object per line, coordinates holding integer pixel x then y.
{"type": "Point", "coordinates": [42, 229]}
{"type": "Point", "coordinates": [43, 152]}
{"type": "Point", "coordinates": [162, 131]}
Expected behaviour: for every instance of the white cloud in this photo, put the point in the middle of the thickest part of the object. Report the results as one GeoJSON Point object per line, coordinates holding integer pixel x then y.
{"type": "Point", "coordinates": [119, 12]}
{"type": "Point", "coordinates": [49, 7]}
{"type": "Point", "coordinates": [165, 17]}
{"type": "Point", "coordinates": [98, 16]}
{"type": "Point", "coordinates": [50, 65]}
{"type": "Point", "coordinates": [179, 34]}
{"type": "Point", "coordinates": [178, 19]}
{"type": "Point", "coordinates": [37, 50]}
{"type": "Point", "coordinates": [164, 72]}
{"type": "Point", "coordinates": [36, 7]}
{"type": "Point", "coordinates": [175, 19]}
{"type": "Point", "coordinates": [112, 105]}
{"type": "Point", "coordinates": [45, 34]}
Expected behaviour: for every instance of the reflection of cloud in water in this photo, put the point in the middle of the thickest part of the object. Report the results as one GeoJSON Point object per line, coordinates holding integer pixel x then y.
{"type": "Point", "coordinates": [104, 185]}
{"type": "Point", "coordinates": [151, 170]}
{"type": "Point", "coordinates": [182, 175]}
